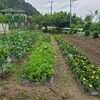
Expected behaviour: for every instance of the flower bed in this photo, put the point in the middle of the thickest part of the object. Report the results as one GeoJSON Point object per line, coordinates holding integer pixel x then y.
{"type": "Point", "coordinates": [87, 74]}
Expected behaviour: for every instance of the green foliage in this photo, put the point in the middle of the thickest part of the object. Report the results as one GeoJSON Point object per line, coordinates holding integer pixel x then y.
{"type": "Point", "coordinates": [15, 47]}
{"type": "Point", "coordinates": [59, 20]}
{"type": "Point", "coordinates": [4, 19]}
{"type": "Point", "coordinates": [56, 30]}
{"type": "Point", "coordinates": [95, 34]}
{"type": "Point", "coordinates": [87, 26]}
{"type": "Point", "coordinates": [3, 82]}
{"type": "Point", "coordinates": [74, 30]}
{"type": "Point", "coordinates": [45, 30]}
{"type": "Point", "coordinates": [98, 88]}
{"type": "Point", "coordinates": [2, 6]}
{"type": "Point", "coordinates": [41, 63]}
{"type": "Point", "coordinates": [70, 31]}
{"type": "Point", "coordinates": [9, 19]}
{"type": "Point", "coordinates": [87, 32]}
{"type": "Point", "coordinates": [93, 27]}
{"type": "Point", "coordinates": [88, 18]}
{"type": "Point", "coordinates": [92, 21]}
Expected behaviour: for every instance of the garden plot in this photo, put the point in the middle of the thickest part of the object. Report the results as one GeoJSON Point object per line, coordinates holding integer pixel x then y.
{"type": "Point", "coordinates": [87, 74]}
{"type": "Point", "coordinates": [64, 87]}
{"type": "Point", "coordinates": [89, 46]}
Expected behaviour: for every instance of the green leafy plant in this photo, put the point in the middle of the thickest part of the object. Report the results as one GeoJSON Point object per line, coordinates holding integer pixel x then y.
{"type": "Point", "coordinates": [95, 34]}
{"type": "Point", "coordinates": [15, 47]}
{"type": "Point", "coordinates": [87, 32]}
{"type": "Point", "coordinates": [41, 63]}
{"type": "Point", "coordinates": [74, 31]}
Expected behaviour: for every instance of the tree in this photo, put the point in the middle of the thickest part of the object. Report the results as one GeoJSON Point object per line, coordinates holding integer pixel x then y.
{"type": "Point", "coordinates": [93, 18]}
{"type": "Point", "coordinates": [59, 20]}
{"type": "Point", "coordinates": [88, 18]}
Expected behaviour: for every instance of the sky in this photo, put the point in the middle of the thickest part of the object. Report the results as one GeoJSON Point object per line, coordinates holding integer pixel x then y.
{"type": "Point", "coordinates": [80, 7]}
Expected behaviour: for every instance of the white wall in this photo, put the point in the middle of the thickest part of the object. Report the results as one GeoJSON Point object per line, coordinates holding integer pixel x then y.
{"type": "Point", "coordinates": [6, 26]}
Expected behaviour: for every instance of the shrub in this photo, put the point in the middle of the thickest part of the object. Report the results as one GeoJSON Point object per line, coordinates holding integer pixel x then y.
{"type": "Point", "coordinates": [55, 30]}
{"type": "Point", "coordinates": [74, 31]}
{"type": "Point", "coordinates": [95, 34]}
{"type": "Point", "coordinates": [87, 33]}
{"type": "Point", "coordinates": [45, 30]}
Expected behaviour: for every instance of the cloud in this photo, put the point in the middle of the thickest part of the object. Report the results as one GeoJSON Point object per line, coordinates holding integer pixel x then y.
{"type": "Point", "coordinates": [80, 7]}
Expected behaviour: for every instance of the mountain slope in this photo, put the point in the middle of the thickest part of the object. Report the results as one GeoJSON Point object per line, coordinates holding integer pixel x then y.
{"type": "Point", "coordinates": [18, 4]}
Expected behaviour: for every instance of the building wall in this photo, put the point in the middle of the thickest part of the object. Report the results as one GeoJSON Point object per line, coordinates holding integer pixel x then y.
{"type": "Point", "coordinates": [6, 27]}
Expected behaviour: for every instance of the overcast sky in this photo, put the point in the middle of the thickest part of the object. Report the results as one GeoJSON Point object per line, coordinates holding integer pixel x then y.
{"type": "Point", "coordinates": [80, 7]}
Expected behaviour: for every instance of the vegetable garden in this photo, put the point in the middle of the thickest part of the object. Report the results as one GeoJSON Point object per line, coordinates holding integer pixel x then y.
{"type": "Point", "coordinates": [44, 61]}
{"type": "Point", "coordinates": [18, 46]}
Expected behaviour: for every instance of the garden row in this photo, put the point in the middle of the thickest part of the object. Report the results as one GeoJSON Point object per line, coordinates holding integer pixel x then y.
{"type": "Point", "coordinates": [86, 73]}
{"type": "Point", "coordinates": [15, 47]}
{"type": "Point", "coordinates": [41, 63]}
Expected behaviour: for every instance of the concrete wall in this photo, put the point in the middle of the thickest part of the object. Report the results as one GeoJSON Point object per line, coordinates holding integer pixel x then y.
{"type": "Point", "coordinates": [6, 26]}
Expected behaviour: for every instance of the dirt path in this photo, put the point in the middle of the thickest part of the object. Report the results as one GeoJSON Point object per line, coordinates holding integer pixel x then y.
{"type": "Point", "coordinates": [65, 86]}
{"type": "Point", "coordinates": [89, 47]}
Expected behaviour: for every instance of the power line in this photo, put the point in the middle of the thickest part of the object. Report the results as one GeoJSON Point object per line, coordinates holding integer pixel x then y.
{"type": "Point", "coordinates": [65, 6]}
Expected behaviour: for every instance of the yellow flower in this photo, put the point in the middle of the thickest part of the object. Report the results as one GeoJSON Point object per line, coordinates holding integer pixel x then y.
{"type": "Point", "coordinates": [76, 63]}
{"type": "Point", "coordinates": [98, 69]}
{"type": "Point", "coordinates": [90, 85]}
{"type": "Point", "coordinates": [92, 66]}
{"type": "Point", "coordinates": [93, 72]}
{"type": "Point", "coordinates": [97, 77]}
{"type": "Point", "coordinates": [84, 66]}
{"type": "Point", "coordinates": [82, 61]}
{"type": "Point", "coordinates": [84, 79]}
{"type": "Point", "coordinates": [92, 77]}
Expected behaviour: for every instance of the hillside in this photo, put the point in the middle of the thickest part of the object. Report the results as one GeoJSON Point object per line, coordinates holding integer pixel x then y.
{"type": "Point", "coordinates": [18, 4]}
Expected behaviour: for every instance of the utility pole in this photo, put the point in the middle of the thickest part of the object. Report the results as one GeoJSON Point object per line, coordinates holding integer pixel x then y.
{"type": "Point", "coordinates": [71, 11]}
{"type": "Point", "coordinates": [51, 5]}
{"type": "Point", "coordinates": [99, 22]}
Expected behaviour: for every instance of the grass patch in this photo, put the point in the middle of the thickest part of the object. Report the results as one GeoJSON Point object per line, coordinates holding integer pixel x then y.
{"type": "Point", "coordinates": [2, 82]}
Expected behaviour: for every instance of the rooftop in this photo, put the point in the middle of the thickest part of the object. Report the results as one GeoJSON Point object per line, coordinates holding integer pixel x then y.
{"type": "Point", "coordinates": [10, 10]}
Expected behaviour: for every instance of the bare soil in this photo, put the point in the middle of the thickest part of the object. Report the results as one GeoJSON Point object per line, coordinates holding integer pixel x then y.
{"type": "Point", "coordinates": [64, 87]}
{"type": "Point", "coordinates": [89, 46]}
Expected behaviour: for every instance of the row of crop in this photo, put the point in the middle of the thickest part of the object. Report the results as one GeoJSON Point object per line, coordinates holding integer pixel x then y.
{"type": "Point", "coordinates": [41, 63]}
{"type": "Point", "coordinates": [16, 46]}
{"type": "Point", "coordinates": [87, 74]}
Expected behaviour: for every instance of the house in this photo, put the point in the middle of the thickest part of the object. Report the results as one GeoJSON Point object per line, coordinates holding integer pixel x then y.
{"type": "Point", "coordinates": [14, 14]}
